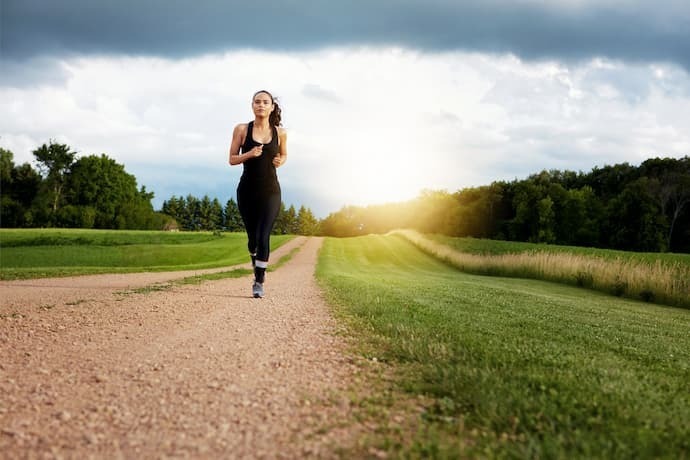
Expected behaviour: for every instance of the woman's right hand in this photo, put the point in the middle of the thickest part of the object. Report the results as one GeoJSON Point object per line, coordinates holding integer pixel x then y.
{"type": "Point", "coordinates": [256, 151]}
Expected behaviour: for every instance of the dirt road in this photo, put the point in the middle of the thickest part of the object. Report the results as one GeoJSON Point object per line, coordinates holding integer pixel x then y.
{"type": "Point", "coordinates": [89, 368]}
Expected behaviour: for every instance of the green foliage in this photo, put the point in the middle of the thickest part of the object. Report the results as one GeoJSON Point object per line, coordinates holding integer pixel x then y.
{"type": "Point", "coordinates": [645, 208]}
{"type": "Point", "coordinates": [514, 368]}
{"type": "Point", "coordinates": [90, 192]}
{"type": "Point", "coordinates": [204, 214]}
{"type": "Point", "coordinates": [101, 184]}
{"type": "Point", "coordinates": [19, 186]}
{"type": "Point", "coordinates": [232, 218]}
{"type": "Point", "coordinates": [52, 252]}
{"type": "Point", "coordinates": [54, 161]}
{"type": "Point", "coordinates": [479, 211]}
{"type": "Point", "coordinates": [284, 222]}
{"type": "Point", "coordinates": [290, 221]}
{"type": "Point", "coordinates": [210, 214]}
{"type": "Point", "coordinates": [635, 220]}
{"type": "Point", "coordinates": [6, 166]}
{"type": "Point", "coordinates": [307, 223]}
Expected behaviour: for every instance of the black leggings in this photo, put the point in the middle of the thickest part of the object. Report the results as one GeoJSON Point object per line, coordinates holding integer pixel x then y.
{"type": "Point", "coordinates": [258, 214]}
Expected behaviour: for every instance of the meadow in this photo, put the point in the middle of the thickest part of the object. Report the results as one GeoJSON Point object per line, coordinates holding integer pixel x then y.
{"type": "Point", "coordinates": [34, 253]}
{"type": "Point", "coordinates": [496, 247]}
{"type": "Point", "coordinates": [511, 368]}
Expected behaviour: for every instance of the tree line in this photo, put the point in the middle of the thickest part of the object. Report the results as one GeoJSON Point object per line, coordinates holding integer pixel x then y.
{"type": "Point", "coordinates": [192, 213]}
{"type": "Point", "coordinates": [95, 191]}
{"type": "Point", "coordinates": [643, 208]}
{"type": "Point", "coordinates": [639, 208]}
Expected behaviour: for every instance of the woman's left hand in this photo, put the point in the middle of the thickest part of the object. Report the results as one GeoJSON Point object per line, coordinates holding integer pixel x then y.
{"type": "Point", "coordinates": [277, 161]}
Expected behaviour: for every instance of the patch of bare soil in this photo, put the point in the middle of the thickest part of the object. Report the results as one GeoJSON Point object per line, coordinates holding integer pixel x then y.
{"type": "Point", "coordinates": [202, 371]}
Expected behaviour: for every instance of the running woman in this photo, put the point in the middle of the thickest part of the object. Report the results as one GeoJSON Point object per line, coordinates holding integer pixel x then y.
{"type": "Point", "coordinates": [261, 146]}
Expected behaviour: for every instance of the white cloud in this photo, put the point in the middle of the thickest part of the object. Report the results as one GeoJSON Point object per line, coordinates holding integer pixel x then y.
{"type": "Point", "coordinates": [365, 125]}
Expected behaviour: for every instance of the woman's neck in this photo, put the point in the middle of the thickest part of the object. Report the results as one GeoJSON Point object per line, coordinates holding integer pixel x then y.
{"type": "Point", "coordinates": [261, 122]}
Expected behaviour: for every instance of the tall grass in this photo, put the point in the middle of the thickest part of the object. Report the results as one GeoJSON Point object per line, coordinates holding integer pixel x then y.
{"type": "Point", "coordinates": [658, 281]}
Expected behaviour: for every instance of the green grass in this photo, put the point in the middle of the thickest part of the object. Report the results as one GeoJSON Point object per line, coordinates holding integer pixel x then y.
{"type": "Point", "coordinates": [44, 253]}
{"type": "Point", "coordinates": [514, 368]}
{"type": "Point", "coordinates": [75, 237]}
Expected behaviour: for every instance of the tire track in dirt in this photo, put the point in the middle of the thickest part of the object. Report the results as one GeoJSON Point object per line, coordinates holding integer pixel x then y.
{"type": "Point", "coordinates": [191, 371]}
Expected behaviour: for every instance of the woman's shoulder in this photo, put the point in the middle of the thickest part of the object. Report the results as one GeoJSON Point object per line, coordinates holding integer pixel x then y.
{"type": "Point", "coordinates": [240, 132]}
{"type": "Point", "coordinates": [282, 132]}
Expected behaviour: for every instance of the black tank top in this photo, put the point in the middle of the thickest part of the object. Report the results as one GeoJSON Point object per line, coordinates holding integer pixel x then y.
{"type": "Point", "coordinates": [259, 174]}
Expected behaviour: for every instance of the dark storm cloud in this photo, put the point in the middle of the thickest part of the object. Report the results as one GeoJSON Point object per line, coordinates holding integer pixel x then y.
{"type": "Point", "coordinates": [636, 31]}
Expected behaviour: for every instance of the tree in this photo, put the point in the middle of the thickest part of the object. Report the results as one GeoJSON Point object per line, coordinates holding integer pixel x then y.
{"type": "Point", "coordinates": [54, 162]}
{"type": "Point", "coordinates": [343, 223]}
{"type": "Point", "coordinates": [138, 213]}
{"type": "Point", "coordinates": [19, 186]}
{"type": "Point", "coordinates": [190, 213]}
{"type": "Point", "coordinates": [308, 224]}
{"type": "Point", "coordinates": [26, 182]}
{"type": "Point", "coordinates": [6, 167]}
{"type": "Point", "coordinates": [436, 211]}
{"type": "Point", "coordinates": [579, 218]}
{"type": "Point", "coordinates": [609, 181]}
{"type": "Point", "coordinates": [547, 220]}
{"type": "Point", "coordinates": [210, 214]}
{"type": "Point", "coordinates": [9, 208]}
{"type": "Point", "coordinates": [282, 225]}
{"type": "Point", "coordinates": [291, 223]}
{"type": "Point", "coordinates": [635, 221]}
{"type": "Point", "coordinates": [77, 216]}
{"type": "Point", "coordinates": [525, 225]}
{"type": "Point", "coordinates": [233, 219]}
{"type": "Point", "coordinates": [216, 214]}
{"type": "Point", "coordinates": [174, 207]}
{"type": "Point", "coordinates": [205, 217]}
{"type": "Point", "coordinates": [99, 182]}
{"type": "Point", "coordinates": [478, 211]}
{"type": "Point", "coordinates": [671, 187]}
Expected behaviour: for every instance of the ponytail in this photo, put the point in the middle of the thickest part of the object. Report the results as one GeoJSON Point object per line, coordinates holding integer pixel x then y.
{"type": "Point", "coordinates": [275, 116]}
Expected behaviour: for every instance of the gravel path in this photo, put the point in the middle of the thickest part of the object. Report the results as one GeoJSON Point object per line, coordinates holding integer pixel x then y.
{"type": "Point", "coordinates": [88, 370]}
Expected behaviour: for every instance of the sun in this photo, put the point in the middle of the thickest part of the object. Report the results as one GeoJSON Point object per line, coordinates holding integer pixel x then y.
{"type": "Point", "coordinates": [382, 178]}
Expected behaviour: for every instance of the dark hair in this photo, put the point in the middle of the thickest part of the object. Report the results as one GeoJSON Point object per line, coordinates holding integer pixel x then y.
{"type": "Point", "coordinates": [274, 118]}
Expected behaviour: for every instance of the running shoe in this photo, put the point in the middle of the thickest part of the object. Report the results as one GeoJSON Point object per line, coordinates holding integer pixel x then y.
{"type": "Point", "coordinates": [258, 290]}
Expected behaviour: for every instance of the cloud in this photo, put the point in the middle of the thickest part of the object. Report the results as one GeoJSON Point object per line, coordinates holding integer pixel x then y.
{"type": "Point", "coordinates": [317, 92]}
{"type": "Point", "coordinates": [35, 71]}
{"type": "Point", "coordinates": [413, 120]}
{"type": "Point", "coordinates": [637, 31]}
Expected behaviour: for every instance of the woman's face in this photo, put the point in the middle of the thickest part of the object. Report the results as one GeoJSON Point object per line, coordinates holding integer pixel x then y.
{"type": "Point", "coordinates": [262, 105]}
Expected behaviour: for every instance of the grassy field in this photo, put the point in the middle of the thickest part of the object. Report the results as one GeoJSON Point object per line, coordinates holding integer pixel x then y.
{"type": "Point", "coordinates": [660, 278]}
{"type": "Point", "coordinates": [512, 368]}
{"type": "Point", "coordinates": [34, 253]}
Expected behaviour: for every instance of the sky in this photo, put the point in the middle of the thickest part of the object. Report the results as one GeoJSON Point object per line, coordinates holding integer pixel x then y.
{"type": "Point", "coordinates": [381, 99]}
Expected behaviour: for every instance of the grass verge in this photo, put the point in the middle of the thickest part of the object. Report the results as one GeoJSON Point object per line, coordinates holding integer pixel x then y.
{"type": "Point", "coordinates": [512, 368]}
